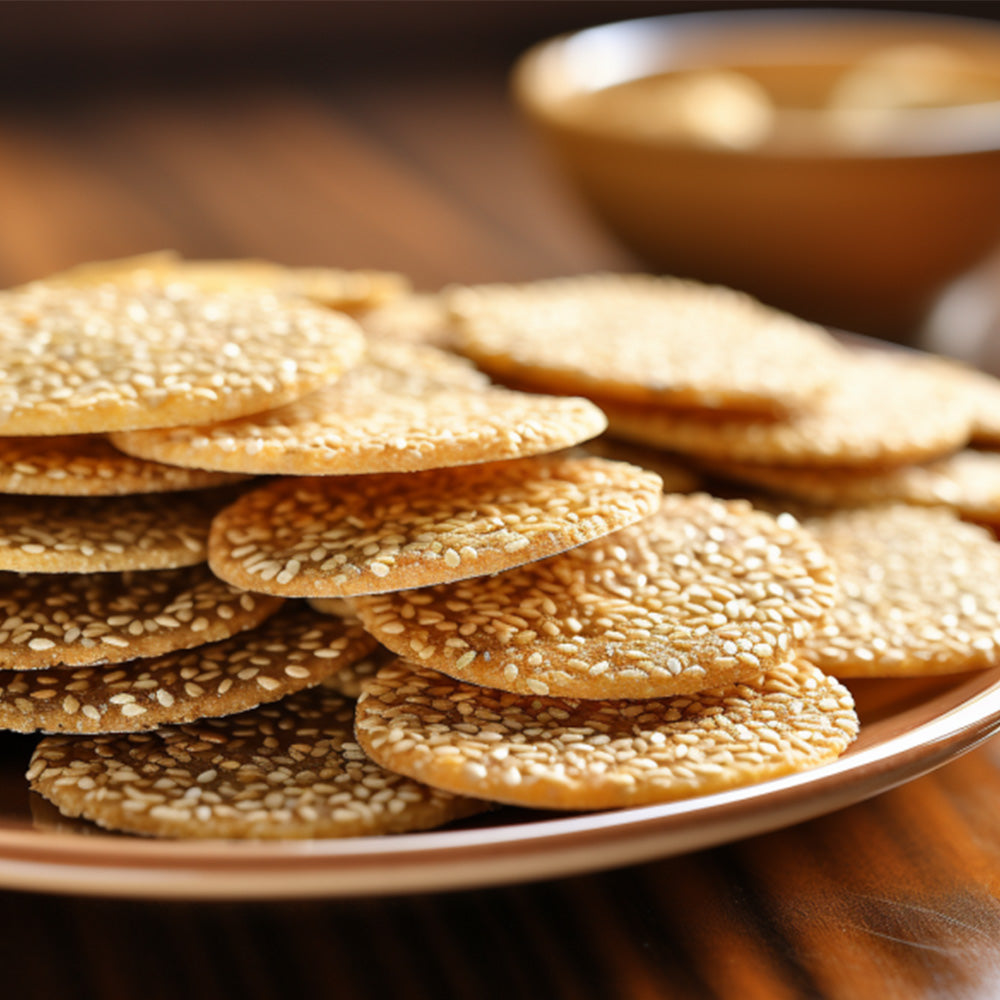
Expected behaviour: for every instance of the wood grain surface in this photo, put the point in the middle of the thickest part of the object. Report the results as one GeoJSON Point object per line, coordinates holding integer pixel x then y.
{"type": "Point", "coordinates": [431, 174]}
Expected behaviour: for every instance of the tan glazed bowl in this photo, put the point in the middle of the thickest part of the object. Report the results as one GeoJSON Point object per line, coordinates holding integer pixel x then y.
{"type": "Point", "coordinates": [856, 218]}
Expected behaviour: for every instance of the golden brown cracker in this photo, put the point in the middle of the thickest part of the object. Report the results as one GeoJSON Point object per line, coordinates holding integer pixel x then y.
{"type": "Point", "coordinates": [643, 339]}
{"type": "Point", "coordinates": [919, 594]}
{"type": "Point", "coordinates": [70, 619]}
{"type": "Point", "coordinates": [335, 288]}
{"type": "Point", "coordinates": [968, 482]}
{"type": "Point", "coordinates": [89, 465]}
{"type": "Point", "coordinates": [103, 358]}
{"type": "Point", "coordinates": [292, 650]}
{"type": "Point", "coordinates": [342, 536]}
{"type": "Point", "coordinates": [409, 408]}
{"type": "Point", "coordinates": [878, 412]}
{"type": "Point", "coordinates": [552, 754]}
{"type": "Point", "coordinates": [107, 534]}
{"type": "Point", "coordinates": [700, 594]}
{"type": "Point", "coordinates": [286, 770]}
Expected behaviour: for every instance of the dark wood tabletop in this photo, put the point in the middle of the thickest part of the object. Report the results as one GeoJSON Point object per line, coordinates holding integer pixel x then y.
{"type": "Point", "coordinates": [431, 174]}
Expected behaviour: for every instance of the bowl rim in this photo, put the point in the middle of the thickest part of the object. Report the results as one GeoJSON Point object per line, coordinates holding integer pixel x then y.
{"type": "Point", "coordinates": [952, 130]}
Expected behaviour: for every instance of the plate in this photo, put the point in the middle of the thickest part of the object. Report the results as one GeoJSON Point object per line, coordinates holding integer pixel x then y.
{"type": "Point", "coordinates": [909, 727]}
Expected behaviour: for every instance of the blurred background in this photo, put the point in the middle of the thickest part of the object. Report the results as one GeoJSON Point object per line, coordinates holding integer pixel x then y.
{"type": "Point", "coordinates": [361, 134]}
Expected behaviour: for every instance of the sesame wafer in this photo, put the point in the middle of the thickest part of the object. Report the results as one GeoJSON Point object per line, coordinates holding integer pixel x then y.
{"type": "Point", "coordinates": [334, 288]}
{"type": "Point", "coordinates": [289, 770]}
{"type": "Point", "coordinates": [968, 482]}
{"type": "Point", "coordinates": [94, 359]}
{"type": "Point", "coordinates": [979, 390]}
{"type": "Point", "coordinates": [292, 650]}
{"type": "Point", "coordinates": [640, 338]}
{"type": "Point", "coordinates": [702, 593]}
{"type": "Point", "coordinates": [341, 536]}
{"type": "Point", "coordinates": [107, 534]}
{"type": "Point", "coordinates": [69, 619]}
{"type": "Point", "coordinates": [89, 465]}
{"type": "Point", "coordinates": [879, 411]}
{"type": "Point", "coordinates": [408, 408]}
{"type": "Point", "coordinates": [552, 754]}
{"type": "Point", "coordinates": [919, 594]}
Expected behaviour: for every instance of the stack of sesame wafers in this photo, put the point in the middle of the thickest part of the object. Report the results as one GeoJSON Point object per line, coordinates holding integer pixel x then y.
{"type": "Point", "coordinates": [880, 459]}
{"type": "Point", "coordinates": [520, 623]}
{"type": "Point", "coordinates": [111, 620]}
{"type": "Point", "coordinates": [113, 625]}
{"type": "Point", "coordinates": [117, 632]}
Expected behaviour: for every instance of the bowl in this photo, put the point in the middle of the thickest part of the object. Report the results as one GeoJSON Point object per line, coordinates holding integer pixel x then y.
{"type": "Point", "coordinates": [841, 164]}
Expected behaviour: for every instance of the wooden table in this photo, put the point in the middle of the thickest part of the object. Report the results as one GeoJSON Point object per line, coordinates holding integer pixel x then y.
{"type": "Point", "coordinates": [897, 897]}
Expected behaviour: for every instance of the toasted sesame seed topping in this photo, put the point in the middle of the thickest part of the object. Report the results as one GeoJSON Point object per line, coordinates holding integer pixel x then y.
{"type": "Point", "coordinates": [188, 685]}
{"type": "Point", "coordinates": [287, 770]}
{"type": "Point", "coordinates": [107, 534]}
{"type": "Point", "coordinates": [701, 593]}
{"type": "Point", "coordinates": [91, 359]}
{"type": "Point", "coordinates": [89, 465]}
{"type": "Point", "coordinates": [552, 754]}
{"type": "Point", "coordinates": [408, 408]}
{"type": "Point", "coordinates": [879, 410]}
{"type": "Point", "coordinates": [635, 337]}
{"type": "Point", "coordinates": [340, 536]}
{"type": "Point", "coordinates": [70, 619]}
{"type": "Point", "coordinates": [919, 594]}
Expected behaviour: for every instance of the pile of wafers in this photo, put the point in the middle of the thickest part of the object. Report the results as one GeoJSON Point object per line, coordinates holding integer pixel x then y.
{"type": "Point", "coordinates": [281, 560]}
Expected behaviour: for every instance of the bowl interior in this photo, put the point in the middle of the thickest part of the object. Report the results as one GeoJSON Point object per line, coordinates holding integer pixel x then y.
{"type": "Point", "coordinates": [797, 57]}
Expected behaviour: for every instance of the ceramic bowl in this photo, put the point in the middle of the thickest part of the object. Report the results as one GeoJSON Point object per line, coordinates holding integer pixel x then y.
{"type": "Point", "coordinates": [849, 213]}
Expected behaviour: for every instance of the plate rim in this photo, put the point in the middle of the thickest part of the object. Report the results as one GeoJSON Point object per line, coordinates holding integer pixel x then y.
{"type": "Point", "coordinates": [446, 860]}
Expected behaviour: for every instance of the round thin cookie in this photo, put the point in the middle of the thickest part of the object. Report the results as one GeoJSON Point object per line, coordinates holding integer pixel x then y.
{"type": "Point", "coordinates": [702, 593]}
{"type": "Point", "coordinates": [332, 287]}
{"type": "Point", "coordinates": [107, 534]}
{"type": "Point", "coordinates": [879, 411]}
{"type": "Point", "coordinates": [968, 482]}
{"type": "Point", "coordinates": [640, 338]}
{"type": "Point", "coordinates": [978, 389]}
{"type": "Point", "coordinates": [94, 359]}
{"type": "Point", "coordinates": [407, 409]}
{"type": "Point", "coordinates": [552, 754]}
{"type": "Point", "coordinates": [69, 619]}
{"type": "Point", "coordinates": [342, 536]}
{"type": "Point", "coordinates": [289, 770]}
{"type": "Point", "coordinates": [292, 650]}
{"type": "Point", "coordinates": [919, 594]}
{"type": "Point", "coordinates": [89, 465]}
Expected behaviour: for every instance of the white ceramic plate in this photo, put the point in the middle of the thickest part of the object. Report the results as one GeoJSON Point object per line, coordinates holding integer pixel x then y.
{"type": "Point", "coordinates": [909, 727]}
